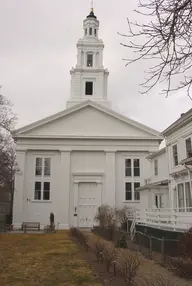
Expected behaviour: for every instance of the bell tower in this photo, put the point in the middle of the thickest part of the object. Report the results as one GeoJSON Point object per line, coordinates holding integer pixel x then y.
{"type": "Point", "coordinates": [89, 79]}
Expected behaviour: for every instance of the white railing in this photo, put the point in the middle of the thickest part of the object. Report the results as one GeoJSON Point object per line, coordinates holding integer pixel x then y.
{"type": "Point", "coordinates": [175, 219]}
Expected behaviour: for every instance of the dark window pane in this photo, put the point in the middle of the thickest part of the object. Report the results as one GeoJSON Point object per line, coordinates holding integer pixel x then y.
{"type": "Point", "coordinates": [90, 31]}
{"type": "Point", "coordinates": [85, 32]}
{"type": "Point", "coordinates": [38, 162]}
{"type": "Point", "coordinates": [95, 32]}
{"type": "Point", "coordinates": [89, 88]}
{"type": "Point", "coordinates": [89, 60]}
{"type": "Point", "coordinates": [136, 163]}
{"type": "Point", "coordinates": [38, 171]}
{"type": "Point", "coordinates": [37, 186]}
{"type": "Point", "coordinates": [47, 171]}
{"type": "Point", "coordinates": [128, 191]}
{"type": "Point", "coordinates": [128, 171]}
{"type": "Point", "coordinates": [46, 195]}
{"type": "Point", "coordinates": [128, 163]}
{"type": "Point", "coordinates": [37, 195]}
{"type": "Point", "coordinates": [46, 186]}
{"type": "Point", "coordinates": [47, 162]}
{"type": "Point", "coordinates": [136, 167]}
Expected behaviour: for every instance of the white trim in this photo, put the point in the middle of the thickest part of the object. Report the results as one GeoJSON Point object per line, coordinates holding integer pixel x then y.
{"type": "Point", "coordinates": [80, 106]}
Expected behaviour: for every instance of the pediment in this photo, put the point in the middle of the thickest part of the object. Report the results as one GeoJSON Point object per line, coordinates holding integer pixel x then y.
{"type": "Point", "coordinates": [90, 121]}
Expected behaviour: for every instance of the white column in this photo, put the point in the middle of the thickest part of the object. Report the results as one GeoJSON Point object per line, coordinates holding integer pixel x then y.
{"type": "Point", "coordinates": [18, 210]}
{"type": "Point", "coordinates": [65, 189]}
{"type": "Point", "coordinates": [110, 179]}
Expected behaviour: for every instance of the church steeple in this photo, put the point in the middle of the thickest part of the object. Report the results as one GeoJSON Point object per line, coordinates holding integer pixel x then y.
{"type": "Point", "coordinates": [89, 79]}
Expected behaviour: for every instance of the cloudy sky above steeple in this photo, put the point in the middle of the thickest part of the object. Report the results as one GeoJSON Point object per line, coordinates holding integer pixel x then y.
{"type": "Point", "coordinates": [38, 48]}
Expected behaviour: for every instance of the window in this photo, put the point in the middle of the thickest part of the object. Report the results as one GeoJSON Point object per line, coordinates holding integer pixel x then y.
{"type": "Point", "coordinates": [90, 31]}
{"type": "Point", "coordinates": [42, 191]}
{"type": "Point", "coordinates": [128, 191]}
{"type": "Point", "coordinates": [175, 155]}
{"type": "Point", "coordinates": [188, 197]}
{"type": "Point", "coordinates": [43, 167]}
{"type": "Point", "coordinates": [89, 88]}
{"type": "Point", "coordinates": [136, 165]}
{"type": "Point", "coordinates": [136, 193]}
{"type": "Point", "coordinates": [95, 32]}
{"type": "Point", "coordinates": [181, 201]}
{"type": "Point", "coordinates": [156, 167]}
{"type": "Point", "coordinates": [89, 60]}
{"type": "Point", "coordinates": [188, 147]}
{"type": "Point", "coordinates": [159, 201]}
{"type": "Point", "coordinates": [42, 183]}
{"type": "Point", "coordinates": [131, 194]}
{"type": "Point", "coordinates": [132, 166]}
{"type": "Point", "coordinates": [86, 32]}
{"type": "Point", "coordinates": [128, 168]}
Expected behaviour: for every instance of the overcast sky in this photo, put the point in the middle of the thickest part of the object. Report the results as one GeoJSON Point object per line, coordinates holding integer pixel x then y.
{"type": "Point", "coordinates": [38, 48]}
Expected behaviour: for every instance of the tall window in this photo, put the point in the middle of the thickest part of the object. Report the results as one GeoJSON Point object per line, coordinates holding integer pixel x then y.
{"type": "Point", "coordinates": [90, 31]}
{"type": "Point", "coordinates": [89, 88]}
{"type": "Point", "coordinates": [181, 201]}
{"type": "Point", "coordinates": [95, 31]}
{"type": "Point", "coordinates": [89, 60]}
{"type": "Point", "coordinates": [188, 147]}
{"type": "Point", "coordinates": [175, 155]}
{"type": "Point", "coordinates": [42, 181]}
{"type": "Point", "coordinates": [156, 167]}
{"type": "Point", "coordinates": [132, 172]}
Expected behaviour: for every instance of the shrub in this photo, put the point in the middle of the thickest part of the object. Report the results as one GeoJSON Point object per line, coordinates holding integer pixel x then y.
{"type": "Point", "coordinates": [52, 222]}
{"type": "Point", "coordinates": [128, 265]}
{"type": "Point", "coordinates": [186, 244]}
{"type": "Point", "coordinates": [157, 280]}
{"type": "Point", "coordinates": [106, 216]}
{"type": "Point", "coordinates": [97, 245]}
{"type": "Point", "coordinates": [122, 216]}
{"type": "Point", "coordinates": [182, 266]}
{"type": "Point", "coordinates": [109, 255]}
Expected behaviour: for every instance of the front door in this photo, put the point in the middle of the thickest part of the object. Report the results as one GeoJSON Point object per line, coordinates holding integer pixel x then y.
{"type": "Point", "coordinates": [89, 200]}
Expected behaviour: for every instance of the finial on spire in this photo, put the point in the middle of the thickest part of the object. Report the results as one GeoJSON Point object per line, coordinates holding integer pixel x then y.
{"type": "Point", "coordinates": [92, 9]}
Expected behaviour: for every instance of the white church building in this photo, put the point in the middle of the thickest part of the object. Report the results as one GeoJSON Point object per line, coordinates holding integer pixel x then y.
{"type": "Point", "coordinates": [84, 156]}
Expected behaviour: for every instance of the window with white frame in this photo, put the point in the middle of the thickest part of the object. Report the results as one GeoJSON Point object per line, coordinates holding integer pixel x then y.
{"type": "Point", "coordinates": [132, 168]}
{"type": "Point", "coordinates": [175, 155]}
{"type": "Point", "coordinates": [132, 174]}
{"type": "Point", "coordinates": [188, 147]}
{"type": "Point", "coordinates": [184, 197]}
{"type": "Point", "coordinates": [156, 167]}
{"type": "Point", "coordinates": [42, 179]}
{"type": "Point", "coordinates": [131, 192]}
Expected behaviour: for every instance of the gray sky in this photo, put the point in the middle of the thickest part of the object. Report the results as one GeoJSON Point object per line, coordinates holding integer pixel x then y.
{"type": "Point", "coordinates": [38, 48]}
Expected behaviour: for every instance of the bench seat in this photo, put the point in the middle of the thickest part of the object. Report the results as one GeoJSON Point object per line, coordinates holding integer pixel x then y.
{"type": "Point", "coordinates": [30, 226]}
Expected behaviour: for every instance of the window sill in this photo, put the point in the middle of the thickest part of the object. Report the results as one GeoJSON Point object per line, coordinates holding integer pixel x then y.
{"type": "Point", "coordinates": [41, 201]}
{"type": "Point", "coordinates": [131, 202]}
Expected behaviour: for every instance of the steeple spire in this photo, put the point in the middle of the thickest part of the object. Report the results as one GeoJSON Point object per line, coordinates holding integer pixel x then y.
{"type": "Point", "coordinates": [92, 7]}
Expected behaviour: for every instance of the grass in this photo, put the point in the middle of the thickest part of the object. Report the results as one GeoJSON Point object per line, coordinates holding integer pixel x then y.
{"type": "Point", "coordinates": [46, 260]}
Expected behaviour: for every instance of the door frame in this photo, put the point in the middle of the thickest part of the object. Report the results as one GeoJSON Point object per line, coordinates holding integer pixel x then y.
{"type": "Point", "coordinates": [84, 177]}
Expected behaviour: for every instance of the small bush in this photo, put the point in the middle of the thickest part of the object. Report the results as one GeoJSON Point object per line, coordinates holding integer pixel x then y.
{"type": "Point", "coordinates": [122, 217]}
{"type": "Point", "coordinates": [106, 216]}
{"type": "Point", "coordinates": [128, 265]}
{"type": "Point", "coordinates": [109, 255]}
{"type": "Point", "coordinates": [97, 246]}
{"type": "Point", "coordinates": [182, 266]}
{"type": "Point", "coordinates": [157, 280]}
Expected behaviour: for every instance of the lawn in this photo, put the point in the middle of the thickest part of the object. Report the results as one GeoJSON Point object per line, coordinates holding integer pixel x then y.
{"type": "Point", "coordinates": [43, 259]}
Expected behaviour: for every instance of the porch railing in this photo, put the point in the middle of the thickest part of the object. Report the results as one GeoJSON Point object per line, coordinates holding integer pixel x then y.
{"type": "Point", "coordinates": [174, 219]}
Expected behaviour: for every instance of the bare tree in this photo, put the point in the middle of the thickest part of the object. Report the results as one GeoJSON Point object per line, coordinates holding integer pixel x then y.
{"type": "Point", "coordinates": [7, 148]}
{"type": "Point", "coordinates": [166, 38]}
